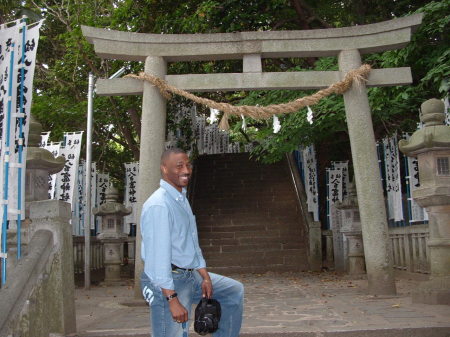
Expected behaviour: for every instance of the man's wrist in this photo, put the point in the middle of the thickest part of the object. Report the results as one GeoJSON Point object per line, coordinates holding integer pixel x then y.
{"type": "Point", "coordinates": [171, 296]}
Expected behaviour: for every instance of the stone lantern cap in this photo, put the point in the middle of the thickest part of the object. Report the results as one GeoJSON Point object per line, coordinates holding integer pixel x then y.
{"type": "Point", "coordinates": [434, 135]}
{"type": "Point", "coordinates": [40, 158]}
{"type": "Point", "coordinates": [111, 206]}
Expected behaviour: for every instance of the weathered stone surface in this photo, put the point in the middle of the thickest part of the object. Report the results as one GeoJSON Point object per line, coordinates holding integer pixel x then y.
{"type": "Point", "coordinates": [39, 295]}
{"type": "Point", "coordinates": [253, 81]}
{"type": "Point", "coordinates": [371, 38]}
{"type": "Point", "coordinates": [368, 182]}
{"type": "Point", "coordinates": [431, 144]}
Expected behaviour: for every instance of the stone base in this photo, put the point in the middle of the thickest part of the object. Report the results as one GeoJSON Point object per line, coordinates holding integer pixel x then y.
{"type": "Point", "coordinates": [435, 291]}
{"type": "Point", "coordinates": [119, 282]}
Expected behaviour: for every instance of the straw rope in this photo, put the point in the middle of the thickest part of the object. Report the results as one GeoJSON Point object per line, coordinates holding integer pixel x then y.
{"type": "Point", "coordinates": [259, 112]}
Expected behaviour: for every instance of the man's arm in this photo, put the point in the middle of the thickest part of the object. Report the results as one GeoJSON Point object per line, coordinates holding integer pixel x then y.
{"type": "Point", "coordinates": [156, 235]}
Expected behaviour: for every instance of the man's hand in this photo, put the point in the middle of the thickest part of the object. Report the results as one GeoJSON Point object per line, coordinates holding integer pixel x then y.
{"type": "Point", "coordinates": [179, 312]}
{"type": "Point", "coordinates": [207, 289]}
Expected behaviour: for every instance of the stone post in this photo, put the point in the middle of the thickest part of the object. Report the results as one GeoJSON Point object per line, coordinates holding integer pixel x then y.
{"type": "Point", "coordinates": [111, 234]}
{"type": "Point", "coordinates": [431, 145]}
{"type": "Point", "coordinates": [380, 272]}
{"type": "Point", "coordinates": [153, 133]}
{"type": "Point", "coordinates": [351, 230]}
{"type": "Point", "coordinates": [55, 215]}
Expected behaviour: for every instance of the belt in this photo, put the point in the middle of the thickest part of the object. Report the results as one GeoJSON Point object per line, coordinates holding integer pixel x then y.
{"type": "Point", "coordinates": [176, 267]}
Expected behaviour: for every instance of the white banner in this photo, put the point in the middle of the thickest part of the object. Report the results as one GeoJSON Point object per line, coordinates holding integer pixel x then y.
{"type": "Point", "coordinates": [8, 36]}
{"type": "Point", "coordinates": [393, 183]}
{"type": "Point", "coordinates": [447, 110]}
{"type": "Point", "coordinates": [94, 197]}
{"type": "Point", "coordinates": [417, 213]}
{"type": "Point", "coordinates": [310, 173]}
{"type": "Point", "coordinates": [343, 167]}
{"type": "Point", "coordinates": [44, 139]}
{"type": "Point", "coordinates": [54, 148]}
{"type": "Point", "coordinates": [334, 193]}
{"type": "Point", "coordinates": [23, 86]}
{"type": "Point", "coordinates": [78, 202]}
{"type": "Point", "coordinates": [131, 179]}
{"type": "Point", "coordinates": [66, 179]}
{"type": "Point", "coordinates": [102, 186]}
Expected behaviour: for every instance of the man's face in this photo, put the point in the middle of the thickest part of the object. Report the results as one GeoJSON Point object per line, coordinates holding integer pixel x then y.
{"type": "Point", "coordinates": [177, 170]}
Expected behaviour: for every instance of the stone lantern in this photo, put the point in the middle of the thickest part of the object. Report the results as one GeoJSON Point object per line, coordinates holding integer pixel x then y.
{"type": "Point", "coordinates": [40, 164]}
{"type": "Point", "coordinates": [431, 146]}
{"type": "Point", "coordinates": [352, 231]}
{"type": "Point", "coordinates": [111, 233]}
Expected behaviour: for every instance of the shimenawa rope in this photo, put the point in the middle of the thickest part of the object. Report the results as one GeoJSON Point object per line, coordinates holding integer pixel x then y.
{"type": "Point", "coordinates": [259, 112]}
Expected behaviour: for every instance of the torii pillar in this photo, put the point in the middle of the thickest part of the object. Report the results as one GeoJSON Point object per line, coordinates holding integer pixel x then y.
{"type": "Point", "coordinates": [347, 43]}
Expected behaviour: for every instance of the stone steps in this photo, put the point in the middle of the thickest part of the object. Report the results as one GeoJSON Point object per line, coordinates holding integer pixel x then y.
{"type": "Point", "coordinates": [247, 216]}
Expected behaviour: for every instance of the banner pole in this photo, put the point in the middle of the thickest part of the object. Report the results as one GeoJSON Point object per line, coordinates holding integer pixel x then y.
{"type": "Point", "coordinates": [87, 219]}
{"type": "Point", "coordinates": [6, 169]}
{"type": "Point", "coordinates": [21, 140]}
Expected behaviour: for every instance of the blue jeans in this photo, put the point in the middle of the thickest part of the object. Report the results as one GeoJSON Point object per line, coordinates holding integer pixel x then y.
{"type": "Point", "coordinates": [228, 292]}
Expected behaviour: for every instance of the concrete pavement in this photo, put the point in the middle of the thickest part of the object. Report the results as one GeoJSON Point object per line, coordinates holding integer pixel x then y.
{"type": "Point", "coordinates": [288, 304]}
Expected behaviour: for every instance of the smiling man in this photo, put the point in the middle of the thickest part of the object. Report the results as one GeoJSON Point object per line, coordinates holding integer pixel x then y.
{"type": "Point", "coordinates": [175, 275]}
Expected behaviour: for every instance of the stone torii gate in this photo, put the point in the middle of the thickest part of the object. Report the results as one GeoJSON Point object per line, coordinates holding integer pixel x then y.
{"type": "Point", "coordinates": [347, 43]}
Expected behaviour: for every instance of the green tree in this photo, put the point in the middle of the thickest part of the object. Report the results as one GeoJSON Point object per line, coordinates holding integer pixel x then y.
{"type": "Point", "coordinates": [65, 59]}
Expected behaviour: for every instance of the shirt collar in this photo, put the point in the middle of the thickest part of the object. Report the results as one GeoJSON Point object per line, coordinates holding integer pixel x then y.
{"type": "Point", "coordinates": [173, 192]}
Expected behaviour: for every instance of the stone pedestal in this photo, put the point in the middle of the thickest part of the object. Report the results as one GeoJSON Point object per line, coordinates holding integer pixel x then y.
{"type": "Point", "coordinates": [113, 258]}
{"type": "Point", "coordinates": [355, 255]}
{"type": "Point", "coordinates": [352, 233]}
{"type": "Point", "coordinates": [329, 255]}
{"type": "Point", "coordinates": [431, 145]}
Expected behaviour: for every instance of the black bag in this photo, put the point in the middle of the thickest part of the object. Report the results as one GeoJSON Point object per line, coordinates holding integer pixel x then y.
{"type": "Point", "coordinates": [207, 316]}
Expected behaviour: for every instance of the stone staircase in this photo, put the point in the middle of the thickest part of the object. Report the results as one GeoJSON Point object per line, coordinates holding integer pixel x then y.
{"type": "Point", "coordinates": [247, 215]}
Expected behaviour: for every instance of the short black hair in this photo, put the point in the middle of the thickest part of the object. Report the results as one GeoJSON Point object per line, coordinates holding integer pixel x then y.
{"type": "Point", "coordinates": [168, 152]}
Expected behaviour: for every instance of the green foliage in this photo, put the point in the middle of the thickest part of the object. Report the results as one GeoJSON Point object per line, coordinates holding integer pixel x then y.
{"type": "Point", "coordinates": [65, 58]}
{"type": "Point", "coordinates": [393, 108]}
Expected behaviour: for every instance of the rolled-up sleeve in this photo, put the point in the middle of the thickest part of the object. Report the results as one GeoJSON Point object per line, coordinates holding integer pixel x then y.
{"type": "Point", "coordinates": [156, 241]}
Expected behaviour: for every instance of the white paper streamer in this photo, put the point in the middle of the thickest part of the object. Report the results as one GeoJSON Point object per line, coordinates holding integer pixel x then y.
{"type": "Point", "coordinates": [276, 124]}
{"type": "Point", "coordinates": [244, 123]}
{"type": "Point", "coordinates": [310, 115]}
{"type": "Point", "coordinates": [213, 117]}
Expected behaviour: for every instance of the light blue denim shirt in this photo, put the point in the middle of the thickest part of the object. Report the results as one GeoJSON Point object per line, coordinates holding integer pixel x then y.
{"type": "Point", "coordinates": [169, 235]}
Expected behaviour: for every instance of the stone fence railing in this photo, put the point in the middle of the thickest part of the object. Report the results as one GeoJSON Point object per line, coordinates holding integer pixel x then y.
{"type": "Point", "coordinates": [97, 253]}
{"type": "Point", "coordinates": [97, 256]}
{"type": "Point", "coordinates": [409, 248]}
